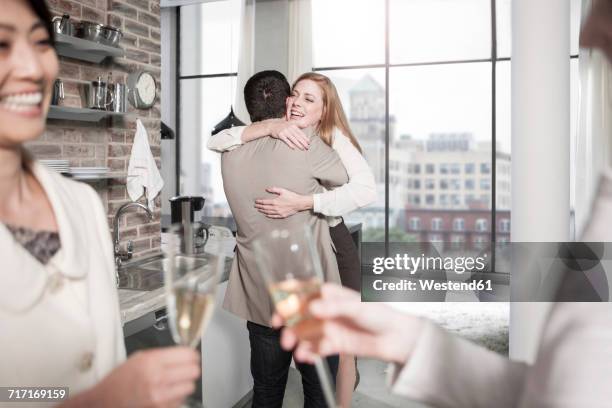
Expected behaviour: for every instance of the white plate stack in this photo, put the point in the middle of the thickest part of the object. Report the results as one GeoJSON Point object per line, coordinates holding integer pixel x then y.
{"type": "Point", "coordinates": [61, 166]}
{"type": "Point", "coordinates": [88, 172]}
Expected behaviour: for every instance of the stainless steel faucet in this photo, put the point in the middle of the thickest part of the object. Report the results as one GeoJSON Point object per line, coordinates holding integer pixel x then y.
{"type": "Point", "coordinates": [122, 256]}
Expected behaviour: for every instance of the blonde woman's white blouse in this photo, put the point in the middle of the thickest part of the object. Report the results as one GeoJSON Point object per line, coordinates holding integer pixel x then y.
{"type": "Point", "coordinates": [358, 192]}
{"type": "Point", "coordinates": [59, 323]}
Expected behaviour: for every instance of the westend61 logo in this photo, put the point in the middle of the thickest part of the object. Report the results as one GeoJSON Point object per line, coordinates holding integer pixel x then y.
{"type": "Point", "coordinates": [412, 265]}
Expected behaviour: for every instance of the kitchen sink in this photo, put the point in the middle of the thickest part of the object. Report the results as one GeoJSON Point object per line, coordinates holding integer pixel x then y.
{"type": "Point", "coordinates": [148, 273]}
{"type": "Point", "coordinates": [182, 264]}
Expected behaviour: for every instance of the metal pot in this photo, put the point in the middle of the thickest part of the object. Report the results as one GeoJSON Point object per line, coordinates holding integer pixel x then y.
{"type": "Point", "coordinates": [88, 30]}
{"type": "Point", "coordinates": [111, 36]}
{"type": "Point", "coordinates": [63, 25]}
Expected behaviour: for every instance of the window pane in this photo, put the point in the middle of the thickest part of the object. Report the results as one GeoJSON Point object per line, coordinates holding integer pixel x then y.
{"type": "Point", "coordinates": [439, 30]}
{"type": "Point", "coordinates": [204, 102]}
{"type": "Point", "coordinates": [362, 92]}
{"type": "Point", "coordinates": [503, 158]}
{"type": "Point", "coordinates": [574, 120]}
{"type": "Point", "coordinates": [210, 38]}
{"type": "Point", "coordinates": [503, 8]}
{"type": "Point", "coordinates": [348, 32]}
{"type": "Point", "coordinates": [441, 123]}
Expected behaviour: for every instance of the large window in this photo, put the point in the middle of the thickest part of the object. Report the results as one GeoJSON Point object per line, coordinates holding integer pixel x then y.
{"type": "Point", "coordinates": [209, 34]}
{"type": "Point", "coordinates": [426, 84]}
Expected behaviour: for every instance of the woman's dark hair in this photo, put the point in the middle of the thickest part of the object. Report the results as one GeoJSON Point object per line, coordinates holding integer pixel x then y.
{"type": "Point", "coordinates": [42, 12]}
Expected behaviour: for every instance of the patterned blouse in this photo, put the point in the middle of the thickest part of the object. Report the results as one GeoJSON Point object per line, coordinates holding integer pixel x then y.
{"type": "Point", "coordinates": [42, 245]}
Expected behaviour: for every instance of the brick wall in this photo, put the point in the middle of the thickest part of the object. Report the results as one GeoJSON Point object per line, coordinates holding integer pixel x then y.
{"type": "Point", "coordinates": [109, 142]}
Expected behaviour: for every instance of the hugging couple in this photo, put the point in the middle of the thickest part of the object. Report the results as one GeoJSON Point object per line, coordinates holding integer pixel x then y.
{"type": "Point", "coordinates": [298, 163]}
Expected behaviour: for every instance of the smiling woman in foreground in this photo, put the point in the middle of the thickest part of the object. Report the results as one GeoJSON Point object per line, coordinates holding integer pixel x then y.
{"type": "Point", "coordinates": [59, 311]}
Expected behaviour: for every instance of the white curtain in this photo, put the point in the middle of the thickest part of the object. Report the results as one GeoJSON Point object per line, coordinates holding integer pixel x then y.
{"type": "Point", "coordinates": [300, 39]}
{"type": "Point", "coordinates": [594, 136]}
{"type": "Point", "coordinates": [245, 57]}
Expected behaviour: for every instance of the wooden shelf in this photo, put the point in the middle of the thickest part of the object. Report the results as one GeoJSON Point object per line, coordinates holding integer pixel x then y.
{"type": "Point", "coordinates": [80, 114]}
{"type": "Point", "coordinates": [85, 50]}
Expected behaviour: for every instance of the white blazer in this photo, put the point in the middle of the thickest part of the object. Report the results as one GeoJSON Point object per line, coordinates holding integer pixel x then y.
{"type": "Point", "coordinates": [59, 322]}
{"type": "Point", "coordinates": [572, 369]}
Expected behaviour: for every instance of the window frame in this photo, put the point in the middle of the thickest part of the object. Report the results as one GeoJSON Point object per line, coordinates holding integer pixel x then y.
{"type": "Point", "coordinates": [493, 59]}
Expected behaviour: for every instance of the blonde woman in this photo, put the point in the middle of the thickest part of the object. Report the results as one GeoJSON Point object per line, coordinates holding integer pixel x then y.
{"type": "Point", "coordinates": [314, 102]}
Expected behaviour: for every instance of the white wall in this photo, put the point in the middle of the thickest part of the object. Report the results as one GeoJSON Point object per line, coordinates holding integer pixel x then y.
{"type": "Point", "coordinates": [540, 144]}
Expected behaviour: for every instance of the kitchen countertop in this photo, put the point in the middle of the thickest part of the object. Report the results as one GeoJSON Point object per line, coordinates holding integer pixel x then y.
{"type": "Point", "coordinates": [136, 303]}
{"type": "Point", "coordinates": [138, 307]}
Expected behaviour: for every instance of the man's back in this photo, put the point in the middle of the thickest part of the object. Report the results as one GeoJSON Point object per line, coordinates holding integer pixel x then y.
{"type": "Point", "coordinates": [247, 172]}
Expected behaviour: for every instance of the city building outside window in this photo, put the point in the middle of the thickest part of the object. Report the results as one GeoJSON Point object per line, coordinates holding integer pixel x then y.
{"type": "Point", "coordinates": [480, 241]}
{"type": "Point", "coordinates": [458, 224]}
{"type": "Point", "coordinates": [430, 184]}
{"type": "Point", "coordinates": [455, 168]}
{"type": "Point", "coordinates": [436, 224]}
{"type": "Point", "coordinates": [435, 238]}
{"type": "Point", "coordinates": [482, 225]}
{"type": "Point", "coordinates": [457, 242]}
{"type": "Point", "coordinates": [485, 168]}
{"type": "Point", "coordinates": [415, 223]}
{"type": "Point", "coordinates": [469, 184]}
{"type": "Point", "coordinates": [469, 168]}
{"type": "Point", "coordinates": [430, 168]}
{"type": "Point", "coordinates": [485, 184]}
{"type": "Point", "coordinates": [504, 225]}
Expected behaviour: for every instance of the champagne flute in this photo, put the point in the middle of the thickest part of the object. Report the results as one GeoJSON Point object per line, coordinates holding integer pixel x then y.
{"type": "Point", "coordinates": [190, 283]}
{"type": "Point", "coordinates": [290, 265]}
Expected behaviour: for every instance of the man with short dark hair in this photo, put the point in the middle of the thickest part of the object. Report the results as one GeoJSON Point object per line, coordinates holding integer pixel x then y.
{"type": "Point", "coordinates": [247, 172]}
{"type": "Point", "coordinates": [265, 94]}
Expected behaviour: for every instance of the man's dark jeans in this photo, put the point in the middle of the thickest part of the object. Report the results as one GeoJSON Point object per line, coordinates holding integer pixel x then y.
{"type": "Point", "coordinates": [270, 368]}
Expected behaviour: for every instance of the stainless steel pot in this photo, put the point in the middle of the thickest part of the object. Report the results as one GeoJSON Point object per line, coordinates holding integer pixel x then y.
{"type": "Point", "coordinates": [63, 25]}
{"type": "Point", "coordinates": [111, 36]}
{"type": "Point", "coordinates": [88, 30]}
{"type": "Point", "coordinates": [103, 34]}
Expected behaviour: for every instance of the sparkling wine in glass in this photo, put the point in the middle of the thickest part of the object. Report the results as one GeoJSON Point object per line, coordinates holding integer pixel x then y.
{"type": "Point", "coordinates": [190, 282]}
{"type": "Point", "coordinates": [290, 265]}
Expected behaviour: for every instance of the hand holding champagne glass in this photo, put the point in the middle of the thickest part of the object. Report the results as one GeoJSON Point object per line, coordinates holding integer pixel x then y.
{"type": "Point", "coordinates": [289, 262]}
{"type": "Point", "coordinates": [191, 283]}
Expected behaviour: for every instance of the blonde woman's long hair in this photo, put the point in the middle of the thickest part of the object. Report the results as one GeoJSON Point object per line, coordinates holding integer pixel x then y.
{"type": "Point", "coordinates": [333, 114]}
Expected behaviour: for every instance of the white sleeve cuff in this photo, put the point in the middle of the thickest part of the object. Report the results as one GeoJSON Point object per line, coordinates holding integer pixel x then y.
{"type": "Point", "coordinates": [316, 203]}
{"type": "Point", "coordinates": [226, 140]}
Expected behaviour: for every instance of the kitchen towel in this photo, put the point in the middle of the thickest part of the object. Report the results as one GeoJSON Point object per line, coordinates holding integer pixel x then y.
{"type": "Point", "coordinates": [142, 170]}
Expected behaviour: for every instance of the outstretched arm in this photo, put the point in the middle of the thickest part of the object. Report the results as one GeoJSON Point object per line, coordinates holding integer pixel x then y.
{"type": "Point", "coordinates": [360, 189]}
{"type": "Point", "coordinates": [281, 129]}
{"type": "Point", "coordinates": [430, 365]}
